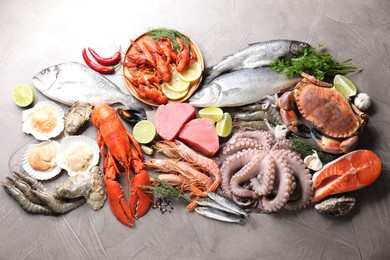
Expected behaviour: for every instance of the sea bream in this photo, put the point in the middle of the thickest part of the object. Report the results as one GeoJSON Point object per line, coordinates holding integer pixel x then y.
{"type": "Point", "coordinates": [70, 82]}
{"type": "Point", "coordinates": [241, 87]}
{"type": "Point", "coordinates": [255, 55]}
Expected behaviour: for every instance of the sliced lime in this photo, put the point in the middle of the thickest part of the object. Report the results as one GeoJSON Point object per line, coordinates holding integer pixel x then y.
{"type": "Point", "coordinates": [144, 131]}
{"type": "Point", "coordinates": [224, 126]}
{"type": "Point", "coordinates": [23, 95]}
{"type": "Point", "coordinates": [344, 85]}
{"type": "Point", "coordinates": [214, 113]}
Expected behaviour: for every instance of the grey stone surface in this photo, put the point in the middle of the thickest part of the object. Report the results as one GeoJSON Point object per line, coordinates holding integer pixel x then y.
{"type": "Point", "coordinates": [37, 34]}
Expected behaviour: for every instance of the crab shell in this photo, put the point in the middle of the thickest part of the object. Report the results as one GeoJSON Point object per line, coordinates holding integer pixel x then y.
{"type": "Point", "coordinates": [327, 109]}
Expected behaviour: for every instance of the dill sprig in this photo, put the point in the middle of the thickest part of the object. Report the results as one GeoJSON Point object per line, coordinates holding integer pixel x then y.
{"type": "Point", "coordinates": [165, 189]}
{"type": "Point", "coordinates": [158, 33]}
{"type": "Point", "coordinates": [304, 148]}
{"type": "Point", "coordinates": [316, 63]}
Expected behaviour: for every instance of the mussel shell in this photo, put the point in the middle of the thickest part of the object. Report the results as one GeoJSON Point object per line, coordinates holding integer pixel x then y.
{"type": "Point", "coordinates": [130, 115]}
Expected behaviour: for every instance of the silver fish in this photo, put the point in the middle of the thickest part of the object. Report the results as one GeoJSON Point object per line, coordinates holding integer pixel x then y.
{"type": "Point", "coordinates": [219, 215]}
{"type": "Point", "coordinates": [227, 203]}
{"type": "Point", "coordinates": [256, 55]}
{"type": "Point", "coordinates": [241, 87]}
{"type": "Point", "coordinates": [212, 204]}
{"type": "Point", "coordinates": [70, 82]}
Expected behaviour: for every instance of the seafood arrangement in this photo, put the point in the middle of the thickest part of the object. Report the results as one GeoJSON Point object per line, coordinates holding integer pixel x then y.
{"type": "Point", "coordinates": [224, 164]}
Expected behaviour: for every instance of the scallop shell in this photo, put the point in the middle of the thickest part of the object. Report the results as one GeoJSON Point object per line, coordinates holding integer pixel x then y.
{"type": "Point", "coordinates": [27, 121]}
{"type": "Point", "coordinates": [69, 142]}
{"type": "Point", "coordinates": [40, 175]}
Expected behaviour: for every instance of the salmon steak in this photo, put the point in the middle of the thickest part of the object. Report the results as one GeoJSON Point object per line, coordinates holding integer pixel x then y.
{"type": "Point", "coordinates": [349, 172]}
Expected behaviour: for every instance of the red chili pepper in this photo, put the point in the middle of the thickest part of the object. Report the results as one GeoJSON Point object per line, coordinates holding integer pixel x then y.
{"type": "Point", "coordinates": [114, 59]}
{"type": "Point", "coordinates": [97, 67]}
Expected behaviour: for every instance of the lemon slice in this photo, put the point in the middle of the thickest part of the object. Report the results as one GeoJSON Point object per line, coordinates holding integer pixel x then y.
{"type": "Point", "coordinates": [214, 113]}
{"type": "Point", "coordinates": [173, 95]}
{"type": "Point", "coordinates": [144, 131]}
{"type": "Point", "coordinates": [192, 73]}
{"type": "Point", "coordinates": [177, 84]}
{"type": "Point", "coordinates": [344, 85]}
{"type": "Point", "coordinates": [224, 126]}
{"type": "Point", "coordinates": [23, 95]}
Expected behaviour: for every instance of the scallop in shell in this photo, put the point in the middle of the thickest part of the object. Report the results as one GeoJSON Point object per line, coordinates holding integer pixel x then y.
{"type": "Point", "coordinates": [78, 153]}
{"type": "Point", "coordinates": [39, 160]}
{"type": "Point", "coordinates": [44, 121]}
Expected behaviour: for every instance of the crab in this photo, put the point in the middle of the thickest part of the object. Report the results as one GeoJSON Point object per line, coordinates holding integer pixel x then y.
{"type": "Point", "coordinates": [334, 122]}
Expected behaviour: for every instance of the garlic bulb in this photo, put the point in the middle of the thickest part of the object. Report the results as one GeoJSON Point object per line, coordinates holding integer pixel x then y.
{"type": "Point", "coordinates": [362, 101]}
{"type": "Point", "coordinates": [313, 162]}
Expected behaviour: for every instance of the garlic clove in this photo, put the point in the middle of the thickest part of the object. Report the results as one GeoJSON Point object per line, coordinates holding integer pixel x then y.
{"type": "Point", "coordinates": [313, 162]}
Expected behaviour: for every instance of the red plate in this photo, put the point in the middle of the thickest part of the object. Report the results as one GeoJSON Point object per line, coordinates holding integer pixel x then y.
{"type": "Point", "coordinates": [193, 86]}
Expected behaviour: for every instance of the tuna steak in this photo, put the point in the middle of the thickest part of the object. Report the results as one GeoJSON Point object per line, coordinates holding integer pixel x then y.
{"type": "Point", "coordinates": [201, 135]}
{"type": "Point", "coordinates": [171, 118]}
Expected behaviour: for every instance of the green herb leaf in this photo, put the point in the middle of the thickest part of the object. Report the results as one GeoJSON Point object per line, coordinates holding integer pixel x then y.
{"type": "Point", "coordinates": [158, 34]}
{"type": "Point", "coordinates": [165, 189]}
{"type": "Point", "coordinates": [316, 63]}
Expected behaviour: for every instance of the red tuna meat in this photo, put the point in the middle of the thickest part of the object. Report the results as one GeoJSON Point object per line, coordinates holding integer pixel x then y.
{"type": "Point", "coordinates": [201, 135]}
{"type": "Point", "coordinates": [171, 118]}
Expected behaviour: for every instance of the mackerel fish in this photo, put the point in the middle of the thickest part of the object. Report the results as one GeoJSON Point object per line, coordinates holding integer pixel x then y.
{"type": "Point", "coordinates": [241, 87]}
{"type": "Point", "coordinates": [255, 55]}
{"type": "Point", "coordinates": [70, 82]}
{"type": "Point", "coordinates": [219, 215]}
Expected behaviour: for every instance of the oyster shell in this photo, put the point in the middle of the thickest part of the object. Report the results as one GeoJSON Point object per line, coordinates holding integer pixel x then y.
{"type": "Point", "coordinates": [39, 160]}
{"type": "Point", "coordinates": [76, 116]}
{"type": "Point", "coordinates": [336, 207]}
{"type": "Point", "coordinates": [44, 121]}
{"type": "Point", "coordinates": [89, 185]}
{"type": "Point", "coordinates": [77, 154]}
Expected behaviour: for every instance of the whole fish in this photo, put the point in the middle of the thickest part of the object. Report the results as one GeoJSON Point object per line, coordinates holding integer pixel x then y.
{"type": "Point", "coordinates": [255, 55]}
{"type": "Point", "coordinates": [219, 215]}
{"type": "Point", "coordinates": [241, 87]}
{"type": "Point", "coordinates": [212, 204]}
{"type": "Point", "coordinates": [227, 203]}
{"type": "Point", "coordinates": [70, 82]}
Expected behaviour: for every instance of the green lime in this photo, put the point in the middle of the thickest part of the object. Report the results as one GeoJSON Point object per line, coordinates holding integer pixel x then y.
{"type": "Point", "coordinates": [144, 131]}
{"type": "Point", "coordinates": [214, 113]}
{"type": "Point", "coordinates": [224, 126]}
{"type": "Point", "coordinates": [344, 85]}
{"type": "Point", "coordinates": [23, 95]}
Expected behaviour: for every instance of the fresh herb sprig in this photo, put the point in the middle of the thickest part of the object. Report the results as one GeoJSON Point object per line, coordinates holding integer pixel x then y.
{"type": "Point", "coordinates": [316, 63]}
{"type": "Point", "coordinates": [305, 148]}
{"type": "Point", "coordinates": [165, 189]}
{"type": "Point", "coordinates": [159, 33]}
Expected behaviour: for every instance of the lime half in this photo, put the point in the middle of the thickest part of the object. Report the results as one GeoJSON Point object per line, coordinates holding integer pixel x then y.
{"type": "Point", "coordinates": [344, 85]}
{"type": "Point", "coordinates": [214, 113]}
{"type": "Point", "coordinates": [224, 126]}
{"type": "Point", "coordinates": [23, 95]}
{"type": "Point", "coordinates": [144, 131]}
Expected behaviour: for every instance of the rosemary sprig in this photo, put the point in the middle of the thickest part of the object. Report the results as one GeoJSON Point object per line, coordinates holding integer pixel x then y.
{"type": "Point", "coordinates": [317, 63]}
{"type": "Point", "coordinates": [304, 148]}
{"type": "Point", "coordinates": [158, 33]}
{"type": "Point", "coordinates": [165, 189]}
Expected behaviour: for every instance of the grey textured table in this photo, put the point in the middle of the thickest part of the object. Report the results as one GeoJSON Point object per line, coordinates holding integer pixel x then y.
{"type": "Point", "coordinates": [37, 34]}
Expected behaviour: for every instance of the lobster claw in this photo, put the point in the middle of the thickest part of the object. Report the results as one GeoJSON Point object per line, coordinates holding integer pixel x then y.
{"type": "Point", "coordinates": [115, 195]}
{"type": "Point", "coordinates": [139, 201]}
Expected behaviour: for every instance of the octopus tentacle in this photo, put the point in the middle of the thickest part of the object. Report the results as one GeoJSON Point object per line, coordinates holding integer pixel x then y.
{"type": "Point", "coordinates": [264, 182]}
{"type": "Point", "coordinates": [248, 171]}
{"type": "Point", "coordinates": [286, 186]}
{"type": "Point", "coordinates": [303, 176]}
{"type": "Point", "coordinates": [235, 146]}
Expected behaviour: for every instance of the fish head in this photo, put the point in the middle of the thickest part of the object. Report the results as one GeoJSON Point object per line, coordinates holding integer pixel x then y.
{"type": "Point", "coordinates": [297, 47]}
{"type": "Point", "coordinates": [46, 78]}
{"type": "Point", "coordinates": [207, 95]}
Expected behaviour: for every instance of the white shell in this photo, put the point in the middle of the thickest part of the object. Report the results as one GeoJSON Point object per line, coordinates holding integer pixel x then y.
{"type": "Point", "coordinates": [40, 175]}
{"type": "Point", "coordinates": [313, 162]}
{"type": "Point", "coordinates": [27, 120]}
{"type": "Point", "coordinates": [70, 142]}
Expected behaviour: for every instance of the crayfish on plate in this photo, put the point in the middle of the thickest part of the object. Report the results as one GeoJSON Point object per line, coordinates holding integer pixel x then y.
{"type": "Point", "coordinates": [335, 124]}
{"type": "Point", "coordinates": [152, 62]}
{"type": "Point", "coordinates": [122, 151]}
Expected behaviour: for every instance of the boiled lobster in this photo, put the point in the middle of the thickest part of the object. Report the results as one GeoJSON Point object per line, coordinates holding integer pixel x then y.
{"type": "Point", "coordinates": [122, 151]}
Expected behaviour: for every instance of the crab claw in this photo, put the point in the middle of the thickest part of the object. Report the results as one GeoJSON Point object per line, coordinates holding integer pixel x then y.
{"type": "Point", "coordinates": [334, 146]}
{"type": "Point", "coordinates": [289, 117]}
{"type": "Point", "coordinates": [139, 201]}
{"type": "Point", "coordinates": [349, 172]}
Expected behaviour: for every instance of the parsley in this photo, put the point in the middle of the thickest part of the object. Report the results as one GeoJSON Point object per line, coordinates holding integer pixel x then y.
{"type": "Point", "coordinates": [318, 64]}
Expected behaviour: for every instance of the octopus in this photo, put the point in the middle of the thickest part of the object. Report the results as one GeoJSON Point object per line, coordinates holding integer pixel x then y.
{"type": "Point", "coordinates": [262, 174]}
